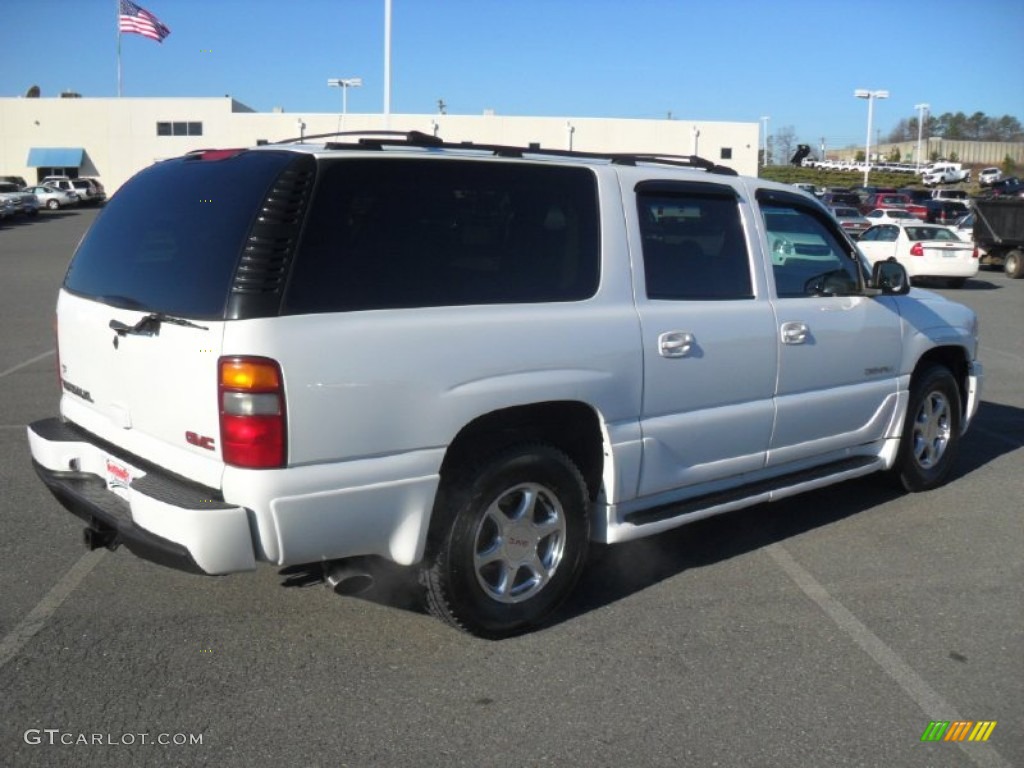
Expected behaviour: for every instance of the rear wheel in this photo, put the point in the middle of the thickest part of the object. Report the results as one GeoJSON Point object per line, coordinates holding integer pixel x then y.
{"type": "Point", "coordinates": [53, 205]}
{"type": "Point", "coordinates": [1014, 264]}
{"type": "Point", "coordinates": [931, 433]}
{"type": "Point", "coordinates": [514, 543]}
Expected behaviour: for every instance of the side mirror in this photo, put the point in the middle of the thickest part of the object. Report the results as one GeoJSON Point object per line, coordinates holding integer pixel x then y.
{"type": "Point", "coordinates": [890, 277]}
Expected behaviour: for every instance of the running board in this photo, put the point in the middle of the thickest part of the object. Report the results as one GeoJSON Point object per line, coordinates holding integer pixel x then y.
{"type": "Point", "coordinates": [775, 487]}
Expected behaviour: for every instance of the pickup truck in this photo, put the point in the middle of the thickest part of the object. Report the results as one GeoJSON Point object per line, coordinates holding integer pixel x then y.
{"type": "Point", "coordinates": [948, 173]}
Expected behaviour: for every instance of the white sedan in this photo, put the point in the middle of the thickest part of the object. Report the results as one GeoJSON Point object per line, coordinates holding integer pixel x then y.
{"type": "Point", "coordinates": [925, 250]}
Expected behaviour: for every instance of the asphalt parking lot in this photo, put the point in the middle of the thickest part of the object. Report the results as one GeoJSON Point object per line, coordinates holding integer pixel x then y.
{"type": "Point", "coordinates": [826, 630]}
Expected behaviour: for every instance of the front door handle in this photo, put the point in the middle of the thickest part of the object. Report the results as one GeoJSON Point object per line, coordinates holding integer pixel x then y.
{"type": "Point", "coordinates": [795, 333]}
{"type": "Point", "coordinates": [675, 344]}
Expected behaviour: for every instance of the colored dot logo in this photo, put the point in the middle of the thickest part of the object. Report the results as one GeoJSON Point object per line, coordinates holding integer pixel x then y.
{"type": "Point", "coordinates": [205, 200]}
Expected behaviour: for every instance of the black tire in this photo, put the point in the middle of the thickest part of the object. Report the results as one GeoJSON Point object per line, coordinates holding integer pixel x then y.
{"type": "Point", "coordinates": [956, 282]}
{"type": "Point", "coordinates": [511, 544]}
{"type": "Point", "coordinates": [1013, 265]}
{"type": "Point", "coordinates": [931, 432]}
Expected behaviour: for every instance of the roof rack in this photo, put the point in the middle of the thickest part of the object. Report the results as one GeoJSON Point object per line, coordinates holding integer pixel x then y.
{"type": "Point", "coordinates": [409, 137]}
{"type": "Point", "coordinates": [375, 139]}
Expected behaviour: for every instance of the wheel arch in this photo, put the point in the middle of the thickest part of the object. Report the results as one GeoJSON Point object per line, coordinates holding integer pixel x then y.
{"type": "Point", "coordinates": [573, 427]}
{"type": "Point", "coordinates": [953, 357]}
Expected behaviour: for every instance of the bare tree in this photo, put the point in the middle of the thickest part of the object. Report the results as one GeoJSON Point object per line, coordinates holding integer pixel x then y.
{"type": "Point", "coordinates": [785, 143]}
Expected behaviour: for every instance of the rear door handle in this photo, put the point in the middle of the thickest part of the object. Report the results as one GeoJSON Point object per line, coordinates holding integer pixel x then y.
{"type": "Point", "coordinates": [675, 344]}
{"type": "Point", "coordinates": [795, 333]}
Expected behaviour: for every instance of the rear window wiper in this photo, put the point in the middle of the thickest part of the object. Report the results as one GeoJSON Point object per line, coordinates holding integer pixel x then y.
{"type": "Point", "coordinates": [150, 325]}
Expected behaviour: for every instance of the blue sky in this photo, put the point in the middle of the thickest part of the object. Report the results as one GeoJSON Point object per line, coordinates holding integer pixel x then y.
{"type": "Point", "coordinates": [735, 60]}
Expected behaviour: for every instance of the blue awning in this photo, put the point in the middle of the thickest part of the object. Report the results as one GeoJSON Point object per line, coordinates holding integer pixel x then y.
{"type": "Point", "coordinates": [55, 157]}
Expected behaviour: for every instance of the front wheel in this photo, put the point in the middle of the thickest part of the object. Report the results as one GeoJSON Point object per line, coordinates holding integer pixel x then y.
{"type": "Point", "coordinates": [515, 542]}
{"type": "Point", "coordinates": [931, 433]}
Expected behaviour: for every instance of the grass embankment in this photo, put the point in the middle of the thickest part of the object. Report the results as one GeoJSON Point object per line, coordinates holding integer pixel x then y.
{"type": "Point", "coordinates": [789, 174]}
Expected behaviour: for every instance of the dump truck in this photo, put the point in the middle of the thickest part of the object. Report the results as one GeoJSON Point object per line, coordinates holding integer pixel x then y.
{"type": "Point", "coordinates": [999, 232]}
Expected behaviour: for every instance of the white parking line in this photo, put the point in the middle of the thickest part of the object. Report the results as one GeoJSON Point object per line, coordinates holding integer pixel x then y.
{"type": "Point", "coordinates": [46, 607]}
{"type": "Point", "coordinates": [935, 707]}
{"type": "Point", "coordinates": [27, 363]}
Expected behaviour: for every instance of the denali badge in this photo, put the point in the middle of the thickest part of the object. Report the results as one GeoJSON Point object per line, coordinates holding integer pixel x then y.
{"type": "Point", "coordinates": [82, 393]}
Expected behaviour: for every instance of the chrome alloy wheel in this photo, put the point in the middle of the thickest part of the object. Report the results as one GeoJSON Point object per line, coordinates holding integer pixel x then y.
{"type": "Point", "coordinates": [932, 429]}
{"type": "Point", "coordinates": [519, 543]}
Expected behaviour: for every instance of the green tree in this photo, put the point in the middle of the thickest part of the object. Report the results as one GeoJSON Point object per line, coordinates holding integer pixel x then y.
{"type": "Point", "coordinates": [1009, 166]}
{"type": "Point", "coordinates": [977, 125]}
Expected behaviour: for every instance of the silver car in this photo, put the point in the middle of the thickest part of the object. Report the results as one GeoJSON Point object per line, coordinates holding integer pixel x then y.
{"type": "Point", "coordinates": [24, 202]}
{"type": "Point", "coordinates": [53, 198]}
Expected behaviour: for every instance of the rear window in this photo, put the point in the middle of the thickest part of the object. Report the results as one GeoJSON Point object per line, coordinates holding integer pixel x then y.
{"type": "Point", "coordinates": [170, 238]}
{"type": "Point", "coordinates": [915, 234]}
{"type": "Point", "coordinates": [395, 232]}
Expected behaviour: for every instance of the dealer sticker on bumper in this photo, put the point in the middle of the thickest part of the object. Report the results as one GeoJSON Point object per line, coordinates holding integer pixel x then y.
{"type": "Point", "coordinates": [119, 477]}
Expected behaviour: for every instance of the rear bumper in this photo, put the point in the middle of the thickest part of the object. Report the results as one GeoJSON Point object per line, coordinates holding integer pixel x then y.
{"type": "Point", "coordinates": [157, 516]}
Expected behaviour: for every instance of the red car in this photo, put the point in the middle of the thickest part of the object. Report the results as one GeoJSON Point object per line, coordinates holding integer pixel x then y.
{"type": "Point", "coordinates": [884, 200]}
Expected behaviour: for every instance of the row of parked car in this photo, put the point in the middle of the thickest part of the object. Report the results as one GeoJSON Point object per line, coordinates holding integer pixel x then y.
{"type": "Point", "coordinates": [53, 193]}
{"type": "Point", "coordinates": [929, 232]}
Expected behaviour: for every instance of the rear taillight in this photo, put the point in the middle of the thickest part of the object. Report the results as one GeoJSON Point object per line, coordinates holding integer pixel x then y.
{"type": "Point", "coordinates": [252, 413]}
{"type": "Point", "coordinates": [916, 250]}
{"type": "Point", "coordinates": [974, 254]}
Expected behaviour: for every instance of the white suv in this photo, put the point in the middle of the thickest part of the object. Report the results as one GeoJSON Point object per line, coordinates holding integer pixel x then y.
{"type": "Point", "coordinates": [474, 360]}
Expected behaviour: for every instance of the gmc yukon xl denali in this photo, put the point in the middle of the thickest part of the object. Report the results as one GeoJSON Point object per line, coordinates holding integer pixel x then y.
{"type": "Point", "coordinates": [475, 360]}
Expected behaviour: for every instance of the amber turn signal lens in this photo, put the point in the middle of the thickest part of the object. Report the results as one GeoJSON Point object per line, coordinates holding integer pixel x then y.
{"type": "Point", "coordinates": [249, 375]}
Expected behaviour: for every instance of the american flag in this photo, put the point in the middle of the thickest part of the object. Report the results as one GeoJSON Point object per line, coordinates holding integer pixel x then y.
{"type": "Point", "coordinates": [139, 21]}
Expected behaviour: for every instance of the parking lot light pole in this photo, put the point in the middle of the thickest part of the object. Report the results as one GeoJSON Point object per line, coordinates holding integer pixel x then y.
{"type": "Point", "coordinates": [862, 93]}
{"type": "Point", "coordinates": [344, 83]}
{"type": "Point", "coordinates": [764, 140]}
{"type": "Point", "coordinates": [921, 109]}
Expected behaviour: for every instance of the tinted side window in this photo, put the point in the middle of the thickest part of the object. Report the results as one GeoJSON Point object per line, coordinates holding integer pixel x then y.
{"type": "Point", "coordinates": [394, 232]}
{"type": "Point", "coordinates": [808, 258]}
{"type": "Point", "coordinates": [693, 246]}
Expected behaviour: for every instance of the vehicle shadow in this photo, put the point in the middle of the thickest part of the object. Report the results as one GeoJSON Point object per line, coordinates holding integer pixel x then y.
{"type": "Point", "coordinates": [616, 572]}
{"type": "Point", "coordinates": [979, 284]}
{"type": "Point", "coordinates": [49, 215]}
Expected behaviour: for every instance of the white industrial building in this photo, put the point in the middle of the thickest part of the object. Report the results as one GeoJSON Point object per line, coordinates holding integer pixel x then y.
{"type": "Point", "coordinates": [113, 138]}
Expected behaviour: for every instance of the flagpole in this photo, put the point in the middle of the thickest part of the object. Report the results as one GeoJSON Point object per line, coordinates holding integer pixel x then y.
{"type": "Point", "coordinates": [118, 4]}
{"type": "Point", "coordinates": [387, 64]}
